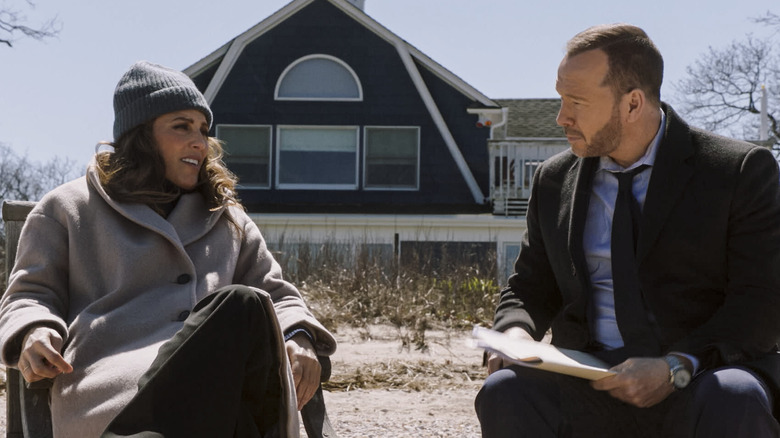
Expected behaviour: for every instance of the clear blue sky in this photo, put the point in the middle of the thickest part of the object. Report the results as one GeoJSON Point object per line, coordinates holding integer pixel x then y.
{"type": "Point", "coordinates": [55, 96]}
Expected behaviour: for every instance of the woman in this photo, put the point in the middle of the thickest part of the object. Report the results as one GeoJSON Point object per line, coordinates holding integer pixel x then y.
{"type": "Point", "coordinates": [138, 256]}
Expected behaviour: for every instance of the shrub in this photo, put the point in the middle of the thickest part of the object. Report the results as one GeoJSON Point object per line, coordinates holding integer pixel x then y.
{"type": "Point", "coordinates": [355, 284]}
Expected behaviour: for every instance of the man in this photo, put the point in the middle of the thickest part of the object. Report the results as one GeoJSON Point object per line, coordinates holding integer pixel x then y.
{"type": "Point", "coordinates": [680, 295]}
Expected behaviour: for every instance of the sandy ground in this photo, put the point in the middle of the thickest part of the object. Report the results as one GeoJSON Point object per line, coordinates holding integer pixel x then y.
{"type": "Point", "coordinates": [382, 388]}
{"type": "Point", "coordinates": [436, 402]}
{"type": "Point", "coordinates": [394, 413]}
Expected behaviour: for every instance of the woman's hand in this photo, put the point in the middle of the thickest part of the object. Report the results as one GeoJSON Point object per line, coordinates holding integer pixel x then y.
{"type": "Point", "coordinates": [40, 358]}
{"type": "Point", "coordinates": [306, 368]}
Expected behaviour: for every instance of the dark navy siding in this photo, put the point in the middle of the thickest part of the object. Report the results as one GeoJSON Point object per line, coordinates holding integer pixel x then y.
{"type": "Point", "coordinates": [471, 140]}
{"type": "Point", "coordinates": [204, 78]}
{"type": "Point", "coordinates": [389, 99]}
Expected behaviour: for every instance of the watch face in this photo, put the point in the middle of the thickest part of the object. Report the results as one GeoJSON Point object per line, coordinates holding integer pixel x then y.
{"type": "Point", "coordinates": [682, 378]}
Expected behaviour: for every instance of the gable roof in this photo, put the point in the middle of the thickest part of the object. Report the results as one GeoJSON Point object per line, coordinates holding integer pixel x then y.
{"type": "Point", "coordinates": [532, 118]}
{"type": "Point", "coordinates": [214, 68]}
{"type": "Point", "coordinates": [227, 54]}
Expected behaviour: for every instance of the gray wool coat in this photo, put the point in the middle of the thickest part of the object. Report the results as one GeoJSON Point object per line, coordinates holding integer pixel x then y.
{"type": "Point", "coordinates": [114, 278]}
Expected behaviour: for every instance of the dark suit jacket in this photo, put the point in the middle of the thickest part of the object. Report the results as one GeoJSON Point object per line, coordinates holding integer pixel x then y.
{"type": "Point", "coordinates": [708, 251]}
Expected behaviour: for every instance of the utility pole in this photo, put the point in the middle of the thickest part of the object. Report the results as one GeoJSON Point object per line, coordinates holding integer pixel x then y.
{"type": "Point", "coordinates": [764, 134]}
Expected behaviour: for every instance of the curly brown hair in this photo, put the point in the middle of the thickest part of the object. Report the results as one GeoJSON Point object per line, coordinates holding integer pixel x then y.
{"type": "Point", "coordinates": [135, 172]}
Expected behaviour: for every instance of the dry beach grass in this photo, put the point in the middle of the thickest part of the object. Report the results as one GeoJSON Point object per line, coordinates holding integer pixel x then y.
{"type": "Point", "coordinates": [403, 368]}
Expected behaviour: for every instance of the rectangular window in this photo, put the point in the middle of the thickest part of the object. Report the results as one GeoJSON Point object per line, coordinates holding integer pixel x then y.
{"type": "Point", "coordinates": [392, 157]}
{"type": "Point", "coordinates": [511, 251]}
{"type": "Point", "coordinates": [247, 153]}
{"type": "Point", "coordinates": [528, 173]}
{"type": "Point", "coordinates": [317, 157]}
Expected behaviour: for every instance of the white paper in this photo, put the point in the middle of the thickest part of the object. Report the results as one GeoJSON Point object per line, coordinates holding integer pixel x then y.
{"type": "Point", "coordinates": [541, 355]}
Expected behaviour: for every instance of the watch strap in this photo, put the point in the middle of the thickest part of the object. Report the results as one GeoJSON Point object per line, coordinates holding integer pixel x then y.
{"type": "Point", "coordinates": [674, 364]}
{"type": "Point", "coordinates": [677, 369]}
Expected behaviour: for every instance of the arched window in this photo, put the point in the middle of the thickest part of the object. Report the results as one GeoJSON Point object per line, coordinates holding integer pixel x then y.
{"type": "Point", "coordinates": [318, 77]}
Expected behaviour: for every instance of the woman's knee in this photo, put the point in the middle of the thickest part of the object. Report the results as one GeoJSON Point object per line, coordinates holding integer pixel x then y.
{"type": "Point", "coordinates": [237, 292]}
{"type": "Point", "coordinates": [235, 295]}
{"type": "Point", "coordinates": [238, 303]}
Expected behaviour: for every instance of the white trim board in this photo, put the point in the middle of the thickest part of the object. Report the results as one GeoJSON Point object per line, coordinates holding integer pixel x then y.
{"type": "Point", "coordinates": [232, 50]}
{"type": "Point", "coordinates": [381, 228]}
{"type": "Point", "coordinates": [444, 130]}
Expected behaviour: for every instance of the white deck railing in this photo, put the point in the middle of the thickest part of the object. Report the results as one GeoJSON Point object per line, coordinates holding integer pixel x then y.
{"type": "Point", "coordinates": [512, 166]}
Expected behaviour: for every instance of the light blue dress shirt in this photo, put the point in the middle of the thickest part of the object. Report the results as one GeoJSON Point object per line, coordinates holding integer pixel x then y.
{"type": "Point", "coordinates": [598, 231]}
{"type": "Point", "coordinates": [598, 240]}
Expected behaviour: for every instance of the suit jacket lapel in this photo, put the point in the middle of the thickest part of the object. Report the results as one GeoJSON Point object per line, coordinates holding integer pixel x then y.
{"type": "Point", "coordinates": [581, 179]}
{"type": "Point", "coordinates": [671, 172]}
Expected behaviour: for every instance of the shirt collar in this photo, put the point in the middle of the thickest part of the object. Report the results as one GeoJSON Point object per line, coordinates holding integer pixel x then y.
{"type": "Point", "coordinates": [606, 163]}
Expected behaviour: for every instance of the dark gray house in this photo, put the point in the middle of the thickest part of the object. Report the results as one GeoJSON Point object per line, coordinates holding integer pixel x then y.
{"type": "Point", "coordinates": [324, 110]}
{"type": "Point", "coordinates": [340, 130]}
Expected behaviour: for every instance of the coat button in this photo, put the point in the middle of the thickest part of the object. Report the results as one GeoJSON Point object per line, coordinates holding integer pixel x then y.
{"type": "Point", "coordinates": [183, 279]}
{"type": "Point", "coordinates": [183, 315]}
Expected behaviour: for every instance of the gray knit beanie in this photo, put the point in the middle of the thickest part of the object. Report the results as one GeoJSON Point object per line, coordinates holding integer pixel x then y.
{"type": "Point", "coordinates": [148, 91]}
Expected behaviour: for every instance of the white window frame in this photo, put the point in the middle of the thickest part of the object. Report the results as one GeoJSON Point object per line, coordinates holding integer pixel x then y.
{"type": "Point", "coordinates": [332, 99]}
{"type": "Point", "coordinates": [365, 157]}
{"type": "Point", "coordinates": [270, 152]}
{"type": "Point", "coordinates": [295, 186]}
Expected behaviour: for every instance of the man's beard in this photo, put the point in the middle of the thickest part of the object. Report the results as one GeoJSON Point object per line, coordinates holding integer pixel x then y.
{"type": "Point", "coordinates": [605, 140]}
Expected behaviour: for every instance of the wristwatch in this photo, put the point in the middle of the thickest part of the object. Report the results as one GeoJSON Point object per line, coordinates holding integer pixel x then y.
{"type": "Point", "coordinates": [679, 376]}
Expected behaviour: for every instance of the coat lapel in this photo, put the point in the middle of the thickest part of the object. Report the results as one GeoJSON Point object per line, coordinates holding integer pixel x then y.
{"type": "Point", "coordinates": [671, 173]}
{"type": "Point", "coordinates": [192, 219]}
{"type": "Point", "coordinates": [188, 221]}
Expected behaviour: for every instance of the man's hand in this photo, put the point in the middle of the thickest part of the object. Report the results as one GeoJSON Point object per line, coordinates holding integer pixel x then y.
{"type": "Point", "coordinates": [306, 368]}
{"type": "Point", "coordinates": [642, 382]}
{"type": "Point", "coordinates": [496, 362]}
{"type": "Point", "coordinates": [40, 358]}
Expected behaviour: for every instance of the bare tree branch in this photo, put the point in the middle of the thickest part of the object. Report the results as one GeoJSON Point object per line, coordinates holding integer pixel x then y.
{"type": "Point", "coordinates": [25, 180]}
{"type": "Point", "coordinates": [768, 19]}
{"type": "Point", "coordinates": [723, 88]}
{"type": "Point", "coordinates": [13, 22]}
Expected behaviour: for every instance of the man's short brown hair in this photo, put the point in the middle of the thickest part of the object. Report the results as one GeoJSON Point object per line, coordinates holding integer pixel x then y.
{"type": "Point", "coordinates": [634, 61]}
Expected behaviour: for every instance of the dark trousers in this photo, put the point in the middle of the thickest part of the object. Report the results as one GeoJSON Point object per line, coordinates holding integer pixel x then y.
{"type": "Point", "coordinates": [217, 377]}
{"type": "Point", "coordinates": [524, 402]}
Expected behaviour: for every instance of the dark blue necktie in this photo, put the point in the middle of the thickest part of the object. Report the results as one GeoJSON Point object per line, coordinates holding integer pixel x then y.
{"type": "Point", "coordinates": [630, 310]}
